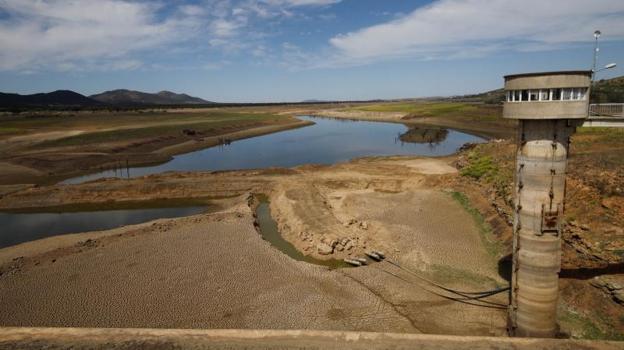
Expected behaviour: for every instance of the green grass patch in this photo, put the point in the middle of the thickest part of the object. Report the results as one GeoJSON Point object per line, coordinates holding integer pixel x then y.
{"type": "Point", "coordinates": [492, 247]}
{"type": "Point", "coordinates": [8, 130]}
{"type": "Point", "coordinates": [208, 126]}
{"type": "Point", "coordinates": [479, 166]}
{"type": "Point", "coordinates": [486, 168]}
{"type": "Point", "coordinates": [420, 108]}
{"type": "Point", "coordinates": [460, 111]}
{"type": "Point", "coordinates": [448, 274]}
{"type": "Point", "coordinates": [607, 135]}
{"type": "Point", "coordinates": [585, 328]}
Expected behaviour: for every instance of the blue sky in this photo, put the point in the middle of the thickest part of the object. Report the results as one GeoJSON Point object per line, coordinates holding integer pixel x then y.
{"type": "Point", "coordinates": [291, 50]}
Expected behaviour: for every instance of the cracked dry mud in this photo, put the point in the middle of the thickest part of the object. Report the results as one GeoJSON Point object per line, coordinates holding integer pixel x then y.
{"type": "Point", "coordinates": [214, 270]}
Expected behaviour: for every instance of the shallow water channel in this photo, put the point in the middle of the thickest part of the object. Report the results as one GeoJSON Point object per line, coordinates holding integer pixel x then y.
{"type": "Point", "coordinates": [23, 227]}
{"type": "Point", "coordinates": [270, 233]}
{"type": "Point", "coordinates": [328, 141]}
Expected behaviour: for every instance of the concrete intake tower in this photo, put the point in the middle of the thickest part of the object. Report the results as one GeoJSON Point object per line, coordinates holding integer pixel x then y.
{"type": "Point", "coordinates": [548, 107]}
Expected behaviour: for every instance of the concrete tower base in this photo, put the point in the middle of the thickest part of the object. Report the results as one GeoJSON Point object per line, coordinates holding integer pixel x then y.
{"type": "Point", "coordinates": [540, 191]}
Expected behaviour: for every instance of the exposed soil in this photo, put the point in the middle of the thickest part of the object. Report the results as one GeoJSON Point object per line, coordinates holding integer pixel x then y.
{"type": "Point", "coordinates": [223, 275]}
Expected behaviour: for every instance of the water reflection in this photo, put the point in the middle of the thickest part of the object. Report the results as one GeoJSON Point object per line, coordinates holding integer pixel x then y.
{"type": "Point", "coordinates": [431, 136]}
{"type": "Point", "coordinates": [328, 141]}
{"type": "Point", "coordinates": [19, 228]}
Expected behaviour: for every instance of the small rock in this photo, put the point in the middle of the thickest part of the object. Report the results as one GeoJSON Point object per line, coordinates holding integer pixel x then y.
{"type": "Point", "coordinates": [364, 225]}
{"type": "Point", "coordinates": [584, 227]}
{"type": "Point", "coordinates": [597, 282]}
{"type": "Point", "coordinates": [324, 249]}
{"type": "Point", "coordinates": [344, 241]}
{"type": "Point", "coordinates": [613, 286]}
{"type": "Point", "coordinates": [340, 248]}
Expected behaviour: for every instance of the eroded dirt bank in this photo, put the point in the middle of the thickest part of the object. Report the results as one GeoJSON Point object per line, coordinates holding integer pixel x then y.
{"type": "Point", "coordinates": [215, 271]}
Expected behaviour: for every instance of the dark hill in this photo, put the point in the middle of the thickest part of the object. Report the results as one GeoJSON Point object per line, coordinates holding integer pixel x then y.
{"type": "Point", "coordinates": [608, 91]}
{"type": "Point", "coordinates": [130, 97]}
{"type": "Point", "coordinates": [603, 91]}
{"type": "Point", "coordinates": [59, 98]}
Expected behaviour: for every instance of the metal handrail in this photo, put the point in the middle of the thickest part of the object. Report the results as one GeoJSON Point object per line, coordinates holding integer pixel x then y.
{"type": "Point", "coordinates": [607, 109]}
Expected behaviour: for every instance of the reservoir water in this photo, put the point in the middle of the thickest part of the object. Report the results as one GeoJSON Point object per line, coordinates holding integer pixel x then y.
{"type": "Point", "coordinates": [328, 141]}
{"type": "Point", "coordinates": [18, 228]}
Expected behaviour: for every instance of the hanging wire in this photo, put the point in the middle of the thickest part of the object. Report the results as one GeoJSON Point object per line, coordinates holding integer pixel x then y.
{"type": "Point", "coordinates": [466, 300]}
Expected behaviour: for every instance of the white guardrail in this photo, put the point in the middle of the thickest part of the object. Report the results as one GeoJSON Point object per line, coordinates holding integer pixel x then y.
{"type": "Point", "coordinates": [607, 110]}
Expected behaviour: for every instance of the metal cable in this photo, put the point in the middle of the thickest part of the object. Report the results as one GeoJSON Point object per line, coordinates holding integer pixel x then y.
{"type": "Point", "coordinates": [468, 300]}
{"type": "Point", "coordinates": [450, 290]}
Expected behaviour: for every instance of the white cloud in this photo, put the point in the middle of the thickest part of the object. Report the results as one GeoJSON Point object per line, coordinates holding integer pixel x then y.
{"type": "Point", "coordinates": [69, 34]}
{"type": "Point", "coordinates": [295, 3]}
{"type": "Point", "coordinates": [461, 28]}
{"type": "Point", "coordinates": [222, 28]}
{"type": "Point", "coordinates": [81, 35]}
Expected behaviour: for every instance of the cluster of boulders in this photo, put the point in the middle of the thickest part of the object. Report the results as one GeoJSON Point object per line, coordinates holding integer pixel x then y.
{"type": "Point", "coordinates": [327, 247]}
{"type": "Point", "coordinates": [610, 286]}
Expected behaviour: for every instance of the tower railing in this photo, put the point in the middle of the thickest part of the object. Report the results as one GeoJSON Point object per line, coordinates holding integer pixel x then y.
{"type": "Point", "coordinates": [607, 110]}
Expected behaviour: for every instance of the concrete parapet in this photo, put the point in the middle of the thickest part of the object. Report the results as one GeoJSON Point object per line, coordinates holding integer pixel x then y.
{"type": "Point", "coordinates": [111, 338]}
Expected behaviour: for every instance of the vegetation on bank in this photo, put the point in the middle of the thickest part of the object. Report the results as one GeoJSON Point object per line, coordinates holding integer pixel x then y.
{"type": "Point", "coordinates": [423, 109]}
{"type": "Point", "coordinates": [608, 91]}
{"type": "Point", "coordinates": [209, 125]}
{"type": "Point", "coordinates": [585, 328]}
{"type": "Point", "coordinates": [107, 127]}
{"type": "Point", "coordinates": [481, 165]}
{"type": "Point", "coordinates": [492, 246]}
{"type": "Point", "coordinates": [450, 274]}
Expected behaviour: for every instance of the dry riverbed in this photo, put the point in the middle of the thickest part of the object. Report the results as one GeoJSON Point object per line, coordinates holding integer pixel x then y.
{"type": "Point", "coordinates": [214, 270]}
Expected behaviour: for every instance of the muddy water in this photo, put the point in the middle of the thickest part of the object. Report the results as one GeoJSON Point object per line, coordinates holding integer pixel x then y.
{"type": "Point", "coordinates": [328, 141]}
{"type": "Point", "coordinates": [19, 228]}
{"type": "Point", "coordinates": [270, 233]}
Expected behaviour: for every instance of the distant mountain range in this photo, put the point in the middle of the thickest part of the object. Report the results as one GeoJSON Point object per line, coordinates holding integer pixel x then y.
{"type": "Point", "coordinates": [64, 98]}
{"type": "Point", "coordinates": [131, 97]}
{"type": "Point", "coordinates": [68, 98]}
